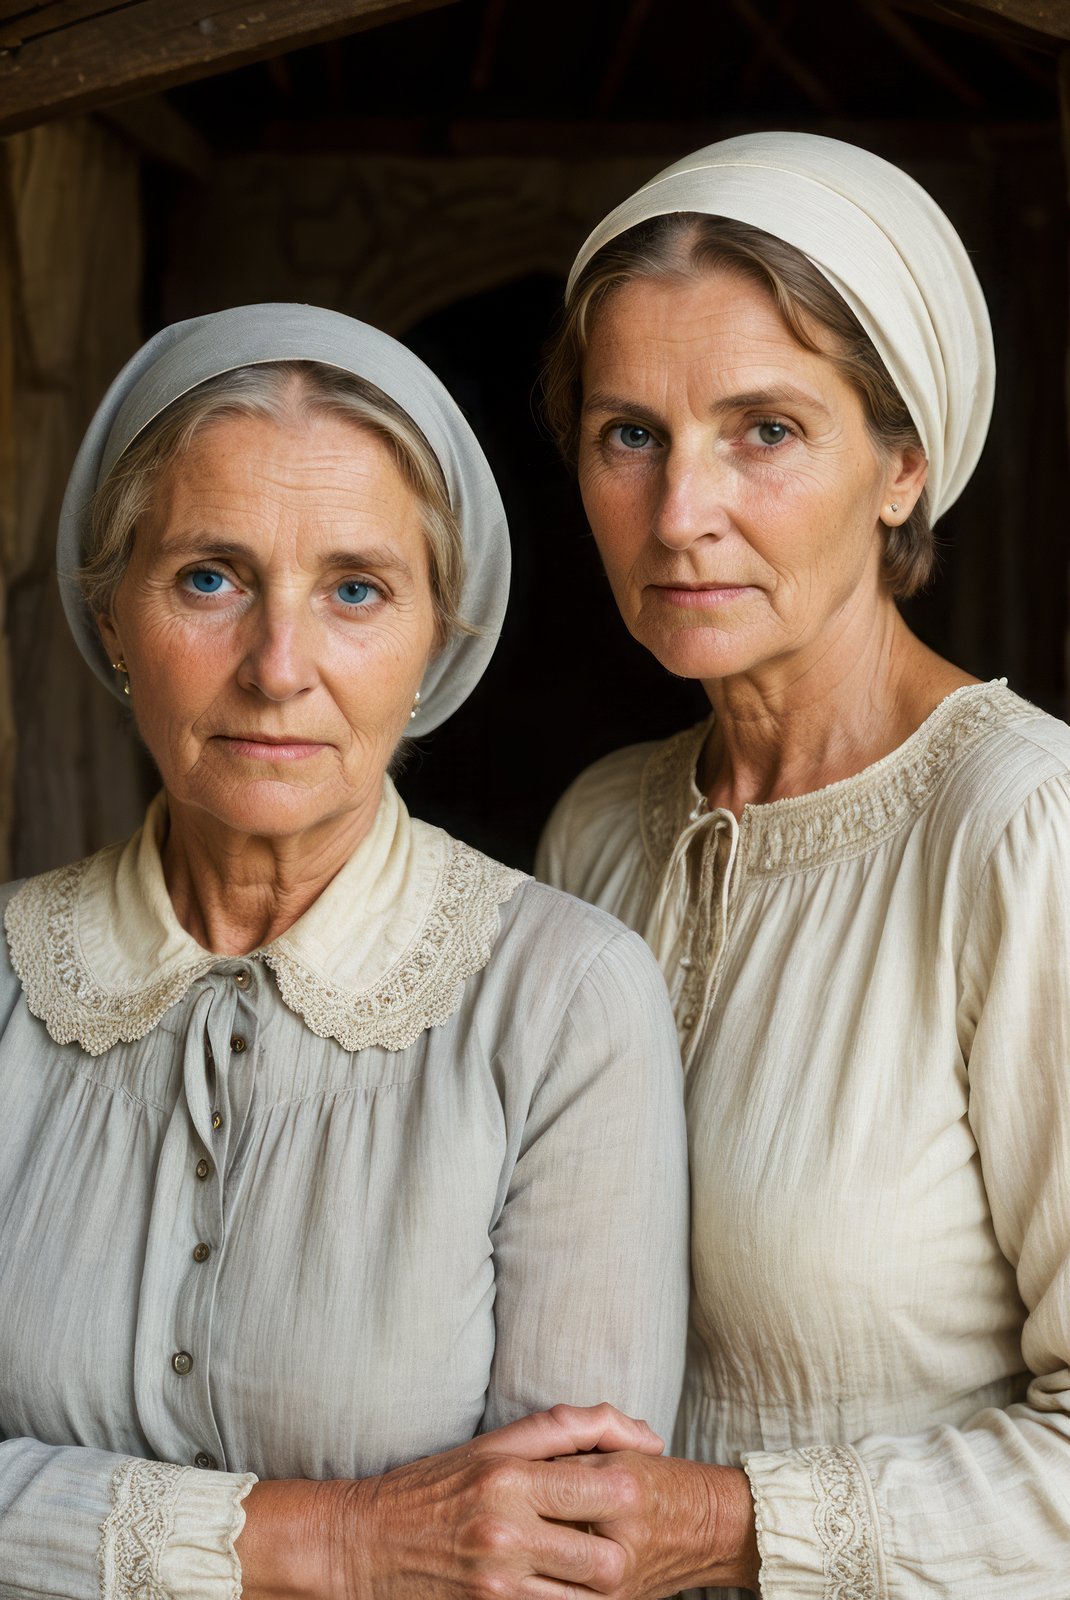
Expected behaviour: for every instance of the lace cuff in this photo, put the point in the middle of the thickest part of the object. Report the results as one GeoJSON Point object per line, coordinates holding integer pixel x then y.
{"type": "Point", "coordinates": [170, 1533]}
{"type": "Point", "coordinates": [818, 1535]}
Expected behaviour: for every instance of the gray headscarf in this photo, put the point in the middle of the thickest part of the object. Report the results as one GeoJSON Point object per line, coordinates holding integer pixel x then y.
{"type": "Point", "coordinates": [884, 245]}
{"type": "Point", "coordinates": [180, 357]}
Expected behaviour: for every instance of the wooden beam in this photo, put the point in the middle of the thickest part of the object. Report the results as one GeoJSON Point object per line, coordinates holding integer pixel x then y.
{"type": "Point", "coordinates": [1040, 26]}
{"type": "Point", "coordinates": [102, 55]}
{"type": "Point", "coordinates": [929, 60]}
{"type": "Point", "coordinates": [162, 134]}
{"type": "Point", "coordinates": [1042, 16]}
{"type": "Point", "coordinates": [790, 65]}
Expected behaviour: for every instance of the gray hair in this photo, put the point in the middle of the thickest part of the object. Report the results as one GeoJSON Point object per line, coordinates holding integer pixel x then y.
{"type": "Point", "coordinates": [280, 390]}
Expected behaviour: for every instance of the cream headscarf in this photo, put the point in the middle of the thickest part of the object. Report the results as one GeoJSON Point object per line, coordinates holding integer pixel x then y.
{"type": "Point", "coordinates": [178, 358]}
{"type": "Point", "coordinates": [883, 244]}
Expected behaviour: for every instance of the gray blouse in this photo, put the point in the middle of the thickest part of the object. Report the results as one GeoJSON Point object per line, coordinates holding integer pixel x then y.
{"type": "Point", "coordinates": [234, 1244]}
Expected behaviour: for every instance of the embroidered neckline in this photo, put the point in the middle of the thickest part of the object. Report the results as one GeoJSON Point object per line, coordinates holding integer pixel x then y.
{"type": "Point", "coordinates": [421, 988]}
{"type": "Point", "coordinates": [846, 818]}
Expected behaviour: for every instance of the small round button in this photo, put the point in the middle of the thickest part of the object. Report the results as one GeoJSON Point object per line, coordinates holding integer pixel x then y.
{"type": "Point", "coordinates": [237, 1044]}
{"type": "Point", "coordinates": [201, 1251]}
{"type": "Point", "coordinates": [217, 1120]}
{"type": "Point", "coordinates": [242, 979]}
{"type": "Point", "coordinates": [182, 1362]}
{"type": "Point", "coordinates": [202, 1169]}
{"type": "Point", "coordinates": [689, 1020]}
{"type": "Point", "coordinates": [206, 1462]}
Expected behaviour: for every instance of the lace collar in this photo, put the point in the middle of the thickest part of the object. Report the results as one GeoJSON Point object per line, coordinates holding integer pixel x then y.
{"type": "Point", "coordinates": [380, 956]}
{"type": "Point", "coordinates": [842, 820]}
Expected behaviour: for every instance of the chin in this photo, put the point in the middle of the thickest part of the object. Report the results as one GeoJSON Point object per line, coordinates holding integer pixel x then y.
{"type": "Point", "coordinates": [700, 653]}
{"type": "Point", "coordinates": [265, 809]}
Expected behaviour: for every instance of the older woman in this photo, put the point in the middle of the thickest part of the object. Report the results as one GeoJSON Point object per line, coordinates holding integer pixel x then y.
{"type": "Point", "coordinates": [776, 372]}
{"type": "Point", "coordinates": [325, 1142]}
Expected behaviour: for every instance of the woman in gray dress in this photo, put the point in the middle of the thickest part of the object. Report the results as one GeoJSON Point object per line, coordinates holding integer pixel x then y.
{"type": "Point", "coordinates": [326, 1143]}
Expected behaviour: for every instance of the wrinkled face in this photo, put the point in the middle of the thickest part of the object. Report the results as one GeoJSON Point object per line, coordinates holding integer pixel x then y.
{"type": "Point", "coordinates": [729, 478]}
{"type": "Point", "coordinates": [276, 619]}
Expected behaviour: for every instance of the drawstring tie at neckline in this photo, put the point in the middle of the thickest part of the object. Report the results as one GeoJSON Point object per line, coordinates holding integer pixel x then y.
{"type": "Point", "coordinates": [671, 926]}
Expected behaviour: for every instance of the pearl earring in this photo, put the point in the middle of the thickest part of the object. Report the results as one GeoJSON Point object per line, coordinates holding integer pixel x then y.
{"type": "Point", "coordinates": [415, 706]}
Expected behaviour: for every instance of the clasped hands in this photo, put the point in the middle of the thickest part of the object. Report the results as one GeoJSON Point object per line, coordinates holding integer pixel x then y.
{"type": "Point", "coordinates": [564, 1503]}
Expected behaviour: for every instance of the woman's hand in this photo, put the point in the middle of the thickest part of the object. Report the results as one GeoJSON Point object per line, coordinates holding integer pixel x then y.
{"type": "Point", "coordinates": [493, 1519]}
{"type": "Point", "coordinates": [679, 1524]}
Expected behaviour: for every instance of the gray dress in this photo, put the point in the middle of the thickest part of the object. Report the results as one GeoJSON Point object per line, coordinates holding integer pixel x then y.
{"type": "Point", "coordinates": [233, 1242]}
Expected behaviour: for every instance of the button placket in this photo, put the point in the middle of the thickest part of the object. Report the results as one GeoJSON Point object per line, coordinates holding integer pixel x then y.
{"type": "Point", "coordinates": [196, 1257]}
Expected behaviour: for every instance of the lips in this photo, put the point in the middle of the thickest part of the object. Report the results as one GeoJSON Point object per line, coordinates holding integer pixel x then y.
{"type": "Point", "coordinates": [269, 738]}
{"type": "Point", "coordinates": [270, 747]}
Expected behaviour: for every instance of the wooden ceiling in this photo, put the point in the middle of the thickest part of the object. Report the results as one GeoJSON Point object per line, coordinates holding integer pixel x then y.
{"type": "Point", "coordinates": [311, 71]}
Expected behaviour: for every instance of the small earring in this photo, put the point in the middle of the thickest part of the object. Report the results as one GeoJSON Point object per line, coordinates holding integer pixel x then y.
{"type": "Point", "coordinates": [120, 666]}
{"type": "Point", "coordinates": [415, 706]}
{"type": "Point", "coordinates": [895, 506]}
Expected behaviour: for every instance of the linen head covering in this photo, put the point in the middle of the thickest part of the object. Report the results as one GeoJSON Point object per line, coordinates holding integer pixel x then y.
{"type": "Point", "coordinates": [186, 354]}
{"type": "Point", "coordinates": [882, 242]}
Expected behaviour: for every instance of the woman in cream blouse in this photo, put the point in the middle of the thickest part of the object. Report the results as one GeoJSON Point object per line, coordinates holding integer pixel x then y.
{"type": "Point", "coordinates": [776, 373]}
{"type": "Point", "coordinates": [325, 1142]}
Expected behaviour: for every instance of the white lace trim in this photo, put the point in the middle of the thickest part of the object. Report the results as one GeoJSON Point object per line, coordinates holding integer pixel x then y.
{"type": "Point", "coordinates": [135, 1532]}
{"type": "Point", "coordinates": [843, 1523]}
{"type": "Point", "coordinates": [422, 989]}
{"type": "Point", "coordinates": [846, 818]}
{"type": "Point", "coordinates": [42, 935]}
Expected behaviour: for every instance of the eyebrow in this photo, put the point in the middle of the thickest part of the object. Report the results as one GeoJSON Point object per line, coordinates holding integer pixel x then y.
{"type": "Point", "coordinates": [601, 402]}
{"type": "Point", "coordinates": [206, 545]}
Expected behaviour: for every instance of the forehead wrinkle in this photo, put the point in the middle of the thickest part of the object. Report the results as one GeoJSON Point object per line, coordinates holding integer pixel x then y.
{"type": "Point", "coordinates": [190, 546]}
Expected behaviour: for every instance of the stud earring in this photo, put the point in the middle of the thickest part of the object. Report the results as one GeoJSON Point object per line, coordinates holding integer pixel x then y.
{"type": "Point", "coordinates": [415, 706]}
{"type": "Point", "coordinates": [120, 666]}
{"type": "Point", "coordinates": [895, 507]}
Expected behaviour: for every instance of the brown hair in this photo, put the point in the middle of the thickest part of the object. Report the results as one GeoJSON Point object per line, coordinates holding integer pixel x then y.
{"type": "Point", "coordinates": [280, 390]}
{"type": "Point", "coordinates": [685, 245]}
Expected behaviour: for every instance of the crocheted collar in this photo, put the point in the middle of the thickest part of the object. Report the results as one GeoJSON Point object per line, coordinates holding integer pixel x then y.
{"type": "Point", "coordinates": [844, 819]}
{"type": "Point", "coordinates": [380, 956]}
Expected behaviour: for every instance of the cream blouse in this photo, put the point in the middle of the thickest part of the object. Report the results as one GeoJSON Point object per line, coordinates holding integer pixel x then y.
{"type": "Point", "coordinates": [413, 1169]}
{"type": "Point", "coordinates": [872, 987]}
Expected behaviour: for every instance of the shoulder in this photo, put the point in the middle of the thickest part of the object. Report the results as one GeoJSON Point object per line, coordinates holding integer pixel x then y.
{"type": "Point", "coordinates": [1013, 757]}
{"type": "Point", "coordinates": [581, 985]}
{"type": "Point", "coordinates": [596, 824]}
{"type": "Point", "coordinates": [553, 950]}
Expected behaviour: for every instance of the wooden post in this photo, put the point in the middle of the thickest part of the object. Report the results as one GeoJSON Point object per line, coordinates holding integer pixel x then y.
{"type": "Point", "coordinates": [8, 501]}
{"type": "Point", "coordinates": [1064, 109]}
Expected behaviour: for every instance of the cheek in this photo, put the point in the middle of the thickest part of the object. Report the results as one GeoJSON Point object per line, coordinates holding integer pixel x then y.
{"type": "Point", "coordinates": [615, 513]}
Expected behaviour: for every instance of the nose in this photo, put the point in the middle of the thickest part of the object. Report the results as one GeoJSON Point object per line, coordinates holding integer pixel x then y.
{"type": "Point", "coordinates": [280, 659]}
{"type": "Point", "coordinates": [692, 499]}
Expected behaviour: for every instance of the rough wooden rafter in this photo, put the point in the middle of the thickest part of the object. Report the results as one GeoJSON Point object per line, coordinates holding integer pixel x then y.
{"type": "Point", "coordinates": [1040, 24]}
{"type": "Point", "coordinates": [801, 75]}
{"type": "Point", "coordinates": [79, 55]}
{"type": "Point", "coordinates": [923, 55]}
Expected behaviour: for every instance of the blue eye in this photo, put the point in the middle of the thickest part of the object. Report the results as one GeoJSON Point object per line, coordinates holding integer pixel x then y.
{"type": "Point", "coordinates": [632, 436]}
{"type": "Point", "coordinates": [205, 581]}
{"type": "Point", "coordinates": [354, 593]}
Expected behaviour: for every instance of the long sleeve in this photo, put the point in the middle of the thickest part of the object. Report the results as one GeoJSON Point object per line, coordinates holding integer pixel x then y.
{"type": "Point", "coordinates": [86, 1524]}
{"type": "Point", "coordinates": [979, 1512]}
{"type": "Point", "coordinates": [590, 1246]}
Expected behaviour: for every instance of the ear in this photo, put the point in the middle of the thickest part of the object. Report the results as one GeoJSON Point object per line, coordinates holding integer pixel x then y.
{"type": "Point", "coordinates": [908, 471]}
{"type": "Point", "coordinates": [109, 636]}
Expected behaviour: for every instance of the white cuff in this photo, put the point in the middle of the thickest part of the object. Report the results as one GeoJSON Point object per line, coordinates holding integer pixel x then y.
{"type": "Point", "coordinates": [818, 1536]}
{"type": "Point", "coordinates": [170, 1533]}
